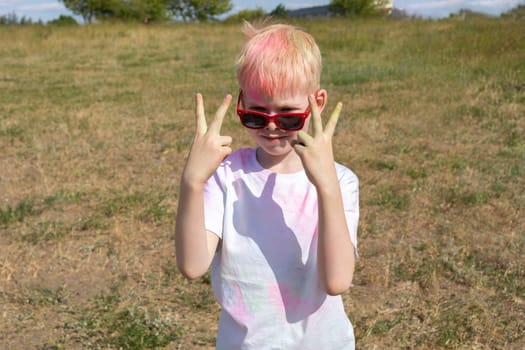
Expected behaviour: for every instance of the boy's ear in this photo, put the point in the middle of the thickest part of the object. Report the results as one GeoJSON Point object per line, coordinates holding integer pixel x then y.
{"type": "Point", "coordinates": [321, 97]}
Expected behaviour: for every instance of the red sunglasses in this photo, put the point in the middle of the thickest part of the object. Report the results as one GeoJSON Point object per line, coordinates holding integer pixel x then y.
{"type": "Point", "coordinates": [288, 121]}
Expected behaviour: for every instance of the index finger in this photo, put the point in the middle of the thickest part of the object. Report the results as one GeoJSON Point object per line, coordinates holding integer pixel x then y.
{"type": "Point", "coordinates": [317, 124]}
{"type": "Point", "coordinates": [200, 117]}
{"type": "Point", "coordinates": [216, 124]}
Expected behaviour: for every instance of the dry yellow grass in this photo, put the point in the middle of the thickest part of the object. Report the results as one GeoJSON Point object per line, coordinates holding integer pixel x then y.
{"type": "Point", "coordinates": [95, 123]}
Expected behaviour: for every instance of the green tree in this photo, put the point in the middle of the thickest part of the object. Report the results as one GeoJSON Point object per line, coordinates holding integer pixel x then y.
{"type": "Point", "coordinates": [9, 19]}
{"type": "Point", "coordinates": [349, 8]}
{"type": "Point", "coordinates": [141, 10]}
{"type": "Point", "coordinates": [147, 10]}
{"type": "Point", "coordinates": [84, 8]}
{"type": "Point", "coordinates": [63, 21]}
{"type": "Point", "coordinates": [279, 11]}
{"type": "Point", "coordinates": [13, 19]}
{"type": "Point", "coordinates": [198, 10]}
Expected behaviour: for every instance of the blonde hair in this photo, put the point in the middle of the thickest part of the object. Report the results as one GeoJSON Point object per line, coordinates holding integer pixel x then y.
{"type": "Point", "coordinates": [279, 60]}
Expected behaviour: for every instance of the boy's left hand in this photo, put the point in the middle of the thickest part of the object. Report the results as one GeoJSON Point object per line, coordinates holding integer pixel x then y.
{"type": "Point", "coordinates": [316, 150]}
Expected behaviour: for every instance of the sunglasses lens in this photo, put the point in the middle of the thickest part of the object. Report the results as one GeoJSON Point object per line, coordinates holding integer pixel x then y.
{"type": "Point", "coordinates": [256, 121]}
{"type": "Point", "coordinates": [253, 121]}
{"type": "Point", "coordinates": [290, 123]}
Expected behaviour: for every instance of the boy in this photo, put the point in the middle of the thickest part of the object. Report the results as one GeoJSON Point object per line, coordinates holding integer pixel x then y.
{"type": "Point", "coordinates": [277, 223]}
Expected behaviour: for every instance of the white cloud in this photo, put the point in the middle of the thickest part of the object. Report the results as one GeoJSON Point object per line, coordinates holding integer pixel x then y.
{"type": "Point", "coordinates": [41, 7]}
{"type": "Point", "coordinates": [28, 5]}
{"type": "Point", "coordinates": [35, 9]}
{"type": "Point", "coordinates": [445, 7]}
{"type": "Point", "coordinates": [428, 5]}
{"type": "Point", "coordinates": [8, 3]}
{"type": "Point", "coordinates": [455, 3]}
{"type": "Point", "coordinates": [494, 4]}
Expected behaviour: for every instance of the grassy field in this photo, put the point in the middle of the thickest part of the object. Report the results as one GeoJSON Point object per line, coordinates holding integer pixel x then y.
{"type": "Point", "coordinates": [95, 123]}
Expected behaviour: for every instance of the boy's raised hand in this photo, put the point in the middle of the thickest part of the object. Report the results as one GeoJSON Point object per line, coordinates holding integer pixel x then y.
{"type": "Point", "coordinates": [316, 150]}
{"type": "Point", "coordinates": [209, 147]}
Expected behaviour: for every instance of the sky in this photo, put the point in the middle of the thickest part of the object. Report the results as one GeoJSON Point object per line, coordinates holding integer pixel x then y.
{"type": "Point", "coordinates": [46, 10]}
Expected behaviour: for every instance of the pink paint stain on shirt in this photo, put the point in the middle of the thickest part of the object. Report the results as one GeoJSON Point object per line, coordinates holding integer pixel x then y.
{"type": "Point", "coordinates": [238, 309]}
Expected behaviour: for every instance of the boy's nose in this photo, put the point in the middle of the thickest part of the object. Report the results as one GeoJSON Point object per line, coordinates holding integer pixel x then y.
{"type": "Point", "coordinates": [271, 126]}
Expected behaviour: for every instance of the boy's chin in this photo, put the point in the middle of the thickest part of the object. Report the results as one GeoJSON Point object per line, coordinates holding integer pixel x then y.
{"type": "Point", "coordinates": [276, 150]}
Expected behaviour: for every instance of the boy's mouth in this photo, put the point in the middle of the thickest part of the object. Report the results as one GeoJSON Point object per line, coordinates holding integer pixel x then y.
{"type": "Point", "coordinates": [274, 137]}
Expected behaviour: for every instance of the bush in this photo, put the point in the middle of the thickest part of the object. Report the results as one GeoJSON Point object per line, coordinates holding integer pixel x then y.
{"type": "Point", "coordinates": [63, 21]}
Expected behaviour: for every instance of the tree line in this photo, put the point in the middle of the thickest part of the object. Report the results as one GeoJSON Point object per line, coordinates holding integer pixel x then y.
{"type": "Point", "coordinates": [147, 10]}
{"type": "Point", "coordinates": [196, 10]}
{"type": "Point", "coordinates": [199, 10]}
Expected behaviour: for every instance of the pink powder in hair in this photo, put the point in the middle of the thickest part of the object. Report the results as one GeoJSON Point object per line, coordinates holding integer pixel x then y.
{"type": "Point", "coordinates": [280, 60]}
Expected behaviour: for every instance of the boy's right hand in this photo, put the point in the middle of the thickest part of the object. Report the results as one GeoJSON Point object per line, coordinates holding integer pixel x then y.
{"type": "Point", "coordinates": [209, 148]}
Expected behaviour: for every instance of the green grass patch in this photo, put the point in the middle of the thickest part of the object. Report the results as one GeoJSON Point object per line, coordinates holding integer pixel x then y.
{"type": "Point", "coordinates": [17, 213]}
{"type": "Point", "coordinates": [390, 197]}
{"type": "Point", "coordinates": [146, 206]}
{"type": "Point", "coordinates": [461, 197]}
{"type": "Point", "coordinates": [108, 325]}
{"type": "Point", "coordinates": [44, 231]}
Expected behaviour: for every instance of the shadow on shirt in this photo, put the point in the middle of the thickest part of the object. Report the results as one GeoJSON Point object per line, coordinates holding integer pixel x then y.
{"type": "Point", "coordinates": [261, 218]}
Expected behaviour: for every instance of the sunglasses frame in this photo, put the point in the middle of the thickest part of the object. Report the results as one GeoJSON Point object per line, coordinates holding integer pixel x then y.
{"type": "Point", "coordinates": [271, 118]}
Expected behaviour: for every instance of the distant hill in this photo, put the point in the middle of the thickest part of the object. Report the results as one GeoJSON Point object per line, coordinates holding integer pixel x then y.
{"type": "Point", "coordinates": [469, 14]}
{"type": "Point", "coordinates": [315, 11]}
{"type": "Point", "coordinates": [324, 11]}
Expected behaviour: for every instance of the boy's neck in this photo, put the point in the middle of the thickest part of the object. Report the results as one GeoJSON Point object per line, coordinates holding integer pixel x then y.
{"type": "Point", "coordinates": [283, 164]}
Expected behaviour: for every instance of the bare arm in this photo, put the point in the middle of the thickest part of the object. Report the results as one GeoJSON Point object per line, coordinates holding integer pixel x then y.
{"type": "Point", "coordinates": [335, 251]}
{"type": "Point", "coordinates": [336, 257]}
{"type": "Point", "coordinates": [194, 245]}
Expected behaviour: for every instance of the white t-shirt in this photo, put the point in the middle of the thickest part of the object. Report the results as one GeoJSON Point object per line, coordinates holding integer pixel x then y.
{"type": "Point", "coordinates": [264, 273]}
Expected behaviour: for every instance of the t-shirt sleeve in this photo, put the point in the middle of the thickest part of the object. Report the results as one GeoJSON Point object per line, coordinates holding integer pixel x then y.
{"type": "Point", "coordinates": [350, 192]}
{"type": "Point", "coordinates": [214, 205]}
